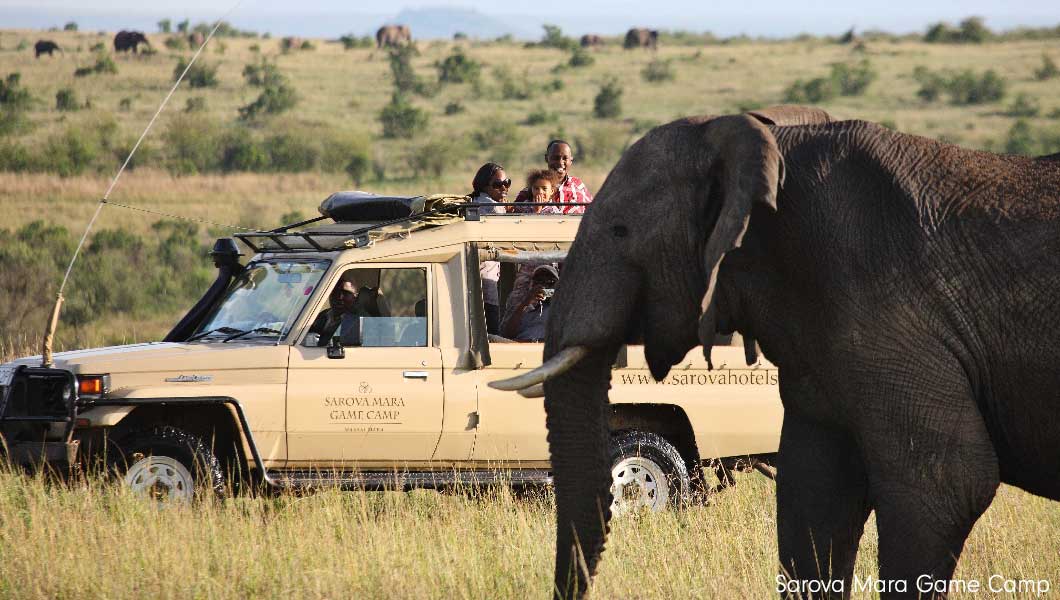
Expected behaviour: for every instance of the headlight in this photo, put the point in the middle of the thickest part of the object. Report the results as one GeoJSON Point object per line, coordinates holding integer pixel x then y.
{"type": "Point", "coordinates": [68, 392]}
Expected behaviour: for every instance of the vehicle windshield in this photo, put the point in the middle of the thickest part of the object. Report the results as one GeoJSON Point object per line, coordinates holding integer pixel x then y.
{"type": "Point", "coordinates": [263, 301]}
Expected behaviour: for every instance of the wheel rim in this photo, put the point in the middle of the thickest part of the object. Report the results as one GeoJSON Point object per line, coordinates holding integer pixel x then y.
{"type": "Point", "coordinates": [636, 483]}
{"type": "Point", "coordinates": [160, 478]}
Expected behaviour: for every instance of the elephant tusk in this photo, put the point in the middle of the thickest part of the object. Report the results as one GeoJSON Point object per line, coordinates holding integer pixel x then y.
{"type": "Point", "coordinates": [534, 391]}
{"type": "Point", "coordinates": [557, 365]}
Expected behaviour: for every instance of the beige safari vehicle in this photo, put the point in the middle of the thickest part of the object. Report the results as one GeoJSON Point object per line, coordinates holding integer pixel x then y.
{"type": "Point", "coordinates": [265, 383]}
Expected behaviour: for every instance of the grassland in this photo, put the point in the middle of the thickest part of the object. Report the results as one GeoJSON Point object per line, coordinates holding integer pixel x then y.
{"type": "Point", "coordinates": [89, 540]}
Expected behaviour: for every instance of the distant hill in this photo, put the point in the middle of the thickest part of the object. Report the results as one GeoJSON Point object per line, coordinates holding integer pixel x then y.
{"type": "Point", "coordinates": [444, 22]}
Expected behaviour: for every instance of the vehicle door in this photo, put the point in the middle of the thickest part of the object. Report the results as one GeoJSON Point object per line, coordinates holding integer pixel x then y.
{"type": "Point", "coordinates": [381, 401]}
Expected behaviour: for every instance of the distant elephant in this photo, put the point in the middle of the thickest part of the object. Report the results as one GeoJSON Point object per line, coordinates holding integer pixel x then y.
{"type": "Point", "coordinates": [591, 40]}
{"type": "Point", "coordinates": [905, 288]}
{"type": "Point", "coordinates": [393, 35]}
{"type": "Point", "coordinates": [641, 38]}
{"type": "Point", "coordinates": [195, 39]}
{"type": "Point", "coordinates": [45, 47]}
{"type": "Point", "coordinates": [129, 40]}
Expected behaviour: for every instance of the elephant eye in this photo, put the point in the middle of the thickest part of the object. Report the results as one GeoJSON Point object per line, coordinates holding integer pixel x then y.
{"type": "Point", "coordinates": [620, 231]}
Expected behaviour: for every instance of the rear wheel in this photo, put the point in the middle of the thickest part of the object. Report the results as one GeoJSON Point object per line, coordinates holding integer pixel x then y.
{"type": "Point", "coordinates": [169, 464]}
{"type": "Point", "coordinates": [647, 472]}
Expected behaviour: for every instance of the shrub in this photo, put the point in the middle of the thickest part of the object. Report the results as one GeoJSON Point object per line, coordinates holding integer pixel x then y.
{"type": "Point", "coordinates": [262, 73]}
{"type": "Point", "coordinates": [350, 41]}
{"type": "Point", "coordinates": [21, 45]}
{"type": "Point", "coordinates": [165, 26]}
{"type": "Point", "coordinates": [12, 94]}
{"type": "Point", "coordinates": [401, 119]}
{"type": "Point", "coordinates": [454, 107]}
{"type": "Point", "coordinates": [191, 144]}
{"type": "Point", "coordinates": [554, 38]}
{"type": "Point", "coordinates": [337, 151]}
{"type": "Point", "coordinates": [307, 45]}
{"type": "Point", "coordinates": [931, 84]}
{"type": "Point", "coordinates": [291, 152]}
{"type": "Point", "coordinates": [357, 167]}
{"type": "Point", "coordinates": [608, 101]}
{"type": "Point", "coordinates": [432, 158]}
{"type": "Point", "coordinates": [104, 65]}
{"type": "Point", "coordinates": [1024, 106]}
{"type": "Point", "coordinates": [200, 75]}
{"type": "Point", "coordinates": [97, 47]}
{"type": "Point", "coordinates": [657, 71]}
{"type": "Point", "coordinates": [176, 43]}
{"type": "Point", "coordinates": [70, 26]}
{"type": "Point", "coordinates": [580, 57]}
{"type": "Point", "coordinates": [820, 89]}
{"type": "Point", "coordinates": [241, 152]}
{"type": "Point", "coordinates": [195, 104]}
{"type": "Point", "coordinates": [555, 85]}
{"type": "Point", "coordinates": [1020, 139]}
{"type": "Point", "coordinates": [14, 157]}
{"type": "Point", "coordinates": [970, 31]}
{"type": "Point", "coordinates": [600, 144]}
{"type": "Point", "coordinates": [853, 79]}
{"type": "Point", "coordinates": [966, 88]}
{"type": "Point", "coordinates": [1048, 70]}
{"type": "Point", "coordinates": [499, 138]}
{"type": "Point", "coordinates": [512, 88]}
{"type": "Point", "coordinates": [540, 116]}
{"type": "Point", "coordinates": [125, 104]}
{"type": "Point", "coordinates": [70, 152]}
{"type": "Point", "coordinates": [405, 79]}
{"type": "Point", "coordinates": [66, 100]}
{"type": "Point", "coordinates": [273, 100]}
{"type": "Point", "coordinates": [458, 68]}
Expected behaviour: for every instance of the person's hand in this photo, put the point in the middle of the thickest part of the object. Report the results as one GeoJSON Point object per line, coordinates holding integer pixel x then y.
{"type": "Point", "coordinates": [536, 296]}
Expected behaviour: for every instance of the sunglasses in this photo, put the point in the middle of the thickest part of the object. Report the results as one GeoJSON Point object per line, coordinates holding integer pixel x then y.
{"type": "Point", "coordinates": [507, 183]}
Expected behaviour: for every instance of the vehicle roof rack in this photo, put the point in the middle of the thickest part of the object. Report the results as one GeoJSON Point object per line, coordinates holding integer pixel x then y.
{"type": "Point", "coordinates": [360, 217]}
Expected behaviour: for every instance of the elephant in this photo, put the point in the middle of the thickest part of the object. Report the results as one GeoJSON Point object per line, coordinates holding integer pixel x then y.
{"type": "Point", "coordinates": [393, 35]}
{"type": "Point", "coordinates": [129, 40]}
{"type": "Point", "coordinates": [591, 40]}
{"type": "Point", "coordinates": [45, 47]}
{"type": "Point", "coordinates": [903, 287]}
{"type": "Point", "coordinates": [641, 38]}
{"type": "Point", "coordinates": [195, 39]}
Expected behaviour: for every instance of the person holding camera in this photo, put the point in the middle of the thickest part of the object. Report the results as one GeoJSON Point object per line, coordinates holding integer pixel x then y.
{"type": "Point", "coordinates": [527, 322]}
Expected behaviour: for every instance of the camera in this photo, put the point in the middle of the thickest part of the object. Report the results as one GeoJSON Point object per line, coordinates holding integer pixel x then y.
{"type": "Point", "coordinates": [548, 292]}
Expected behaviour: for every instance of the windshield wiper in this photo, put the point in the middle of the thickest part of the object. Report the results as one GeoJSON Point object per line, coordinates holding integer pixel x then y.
{"type": "Point", "coordinates": [240, 334]}
{"type": "Point", "coordinates": [225, 330]}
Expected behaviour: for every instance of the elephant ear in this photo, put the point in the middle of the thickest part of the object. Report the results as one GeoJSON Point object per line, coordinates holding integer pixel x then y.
{"type": "Point", "coordinates": [791, 115]}
{"type": "Point", "coordinates": [745, 162]}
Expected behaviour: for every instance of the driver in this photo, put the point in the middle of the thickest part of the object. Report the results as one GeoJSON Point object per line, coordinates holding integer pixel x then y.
{"type": "Point", "coordinates": [348, 303]}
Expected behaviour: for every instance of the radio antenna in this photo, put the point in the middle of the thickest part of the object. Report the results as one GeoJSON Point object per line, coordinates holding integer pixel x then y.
{"type": "Point", "coordinates": [53, 322]}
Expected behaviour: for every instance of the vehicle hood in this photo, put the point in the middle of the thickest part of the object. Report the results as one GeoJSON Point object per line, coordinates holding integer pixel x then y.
{"type": "Point", "coordinates": [155, 357]}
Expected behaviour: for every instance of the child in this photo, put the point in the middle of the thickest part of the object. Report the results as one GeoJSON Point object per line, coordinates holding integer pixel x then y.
{"type": "Point", "coordinates": [541, 187]}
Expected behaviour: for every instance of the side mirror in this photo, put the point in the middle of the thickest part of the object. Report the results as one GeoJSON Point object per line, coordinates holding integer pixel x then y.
{"type": "Point", "coordinates": [335, 349]}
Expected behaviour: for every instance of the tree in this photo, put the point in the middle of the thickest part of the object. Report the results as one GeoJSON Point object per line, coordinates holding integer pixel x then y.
{"type": "Point", "coordinates": [165, 26]}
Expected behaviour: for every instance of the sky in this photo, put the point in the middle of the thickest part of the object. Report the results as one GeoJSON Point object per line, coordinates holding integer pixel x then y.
{"type": "Point", "coordinates": [770, 18]}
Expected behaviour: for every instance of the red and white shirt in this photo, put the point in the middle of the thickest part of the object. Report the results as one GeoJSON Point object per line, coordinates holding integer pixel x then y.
{"type": "Point", "coordinates": [571, 190]}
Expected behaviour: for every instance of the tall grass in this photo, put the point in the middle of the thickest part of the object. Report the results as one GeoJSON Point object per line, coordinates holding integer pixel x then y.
{"type": "Point", "coordinates": [93, 540]}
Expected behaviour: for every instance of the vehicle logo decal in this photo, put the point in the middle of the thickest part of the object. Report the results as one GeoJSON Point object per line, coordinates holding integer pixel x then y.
{"type": "Point", "coordinates": [190, 379]}
{"type": "Point", "coordinates": [364, 388]}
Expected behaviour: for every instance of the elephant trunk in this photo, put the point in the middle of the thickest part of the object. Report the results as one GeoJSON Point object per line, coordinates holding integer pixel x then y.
{"type": "Point", "coordinates": [577, 416]}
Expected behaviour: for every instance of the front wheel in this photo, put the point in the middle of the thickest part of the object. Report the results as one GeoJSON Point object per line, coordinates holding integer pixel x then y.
{"type": "Point", "coordinates": [169, 464]}
{"type": "Point", "coordinates": [647, 472]}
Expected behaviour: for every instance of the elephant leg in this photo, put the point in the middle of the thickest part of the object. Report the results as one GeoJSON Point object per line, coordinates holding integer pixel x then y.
{"type": "Point", "coordinates": [822, 505]}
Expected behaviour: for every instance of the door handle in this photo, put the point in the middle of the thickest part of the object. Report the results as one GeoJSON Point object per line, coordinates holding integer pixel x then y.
{"type": "Point", "coordinates": [415, 374]}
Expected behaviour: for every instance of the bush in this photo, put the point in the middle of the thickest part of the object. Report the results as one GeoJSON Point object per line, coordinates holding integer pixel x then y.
{"type": "Point", "coordinates": [540, 116]}
{"type": "Point", "coordinates": [262, 73]}
{"type": "Point", "coordinates": [405, 79]}
{"type": "Point", "coordinates": [98, 47]}
{"type": "Point", "coordinates": [70, 26]}
{"type": "Point", "coordinates": [176, 43]}
{"type": "Point", "coordinates": [657, 71]}
{"type": "Point", "coordinates": [70, 152]}
{"type": "Point", "coordinates": [165, 26]}
{"type": "Point", "coordinates": [512, 88]}
{"type": "Point", "coordinates": [273, 100]}
{"type": "Point", "coordinates": [608, 101]}
{"type": "Point", "coordinates": [500, 139]}
{"type": "Point", "coordinates": [125, 104]}
{"type": "Point", "coordinates": [307, 45]}
{"type": "Point", "coordinates": [350, 41]}
{"type": "Point", "coordinates": [967, 88]}
{"type": "Point", "coordinates": [66, 100]}
{"type": "Point", "coordinates": [12, 94]}
{"type": "Point", "coordinates": [191, 144]}
{"type": "Point", "coordinates": [580, 57]}
{"type": "Point", "coordinates": [291, 152]}
{"type": "Point", "coordinates": [1024, 106]}
{"type": "Point", "coordinates": [814, 91]}
{"type": "Point", "coordinates": [338, 150]}
{"type": "Point", "coordinates": [104, 65]}
{"type": "Point", "coordinates": [1020, 139]}
{"type": "Point", "coordinates": [200, 75]}
{"type": "Point", "coordinates": [1048, 70]}
{"type": "Point", "coordinates": [15, 157]}
{"type": "Point", "coordinates": [853, 79]}
{"type": "Point", "coordinates": [970, 31]}
{"type": "Point", "coordinates": [401, 119]}
{"type": "Point", "coordinates": [195, 104]}
{"type": "Point", "coordinates": [601, 144]}
{"type": "Point", "coordinates": [554, 38]}
{"type": "Point", "coordinates": [357, 167]}
{"type": "Point", "coordinates": [454, 107]}
{"type": "Point", "coordinates": [432, 158]}
{"type": "Point", "coordinates": [931, 84]}
{"type": "Point", "coordinates": [458, 68]}
{"type": "Point", "coordinates": [241, 152]}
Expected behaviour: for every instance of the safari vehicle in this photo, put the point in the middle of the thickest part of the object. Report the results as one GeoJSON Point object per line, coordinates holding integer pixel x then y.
{"type": "Point", "coordinates": [246, 389]}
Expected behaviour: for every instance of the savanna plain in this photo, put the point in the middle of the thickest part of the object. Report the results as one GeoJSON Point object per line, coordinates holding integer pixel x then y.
{"type": "Point", "coordinates": [344, 116]}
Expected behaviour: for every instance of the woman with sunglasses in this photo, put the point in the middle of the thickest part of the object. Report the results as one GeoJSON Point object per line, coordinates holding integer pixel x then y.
{"type": "Point", "coordinates": [490, 186]}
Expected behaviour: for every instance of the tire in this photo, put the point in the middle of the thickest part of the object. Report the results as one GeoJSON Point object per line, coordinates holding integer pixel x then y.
{"type": "Point", "coordinates": [169, 464]}
{"type": "Point", "coordinates": [647, 472]}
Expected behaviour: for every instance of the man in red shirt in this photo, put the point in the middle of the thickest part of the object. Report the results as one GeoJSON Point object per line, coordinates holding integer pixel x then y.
{"type": "Point", "coordinates": [559, 157]}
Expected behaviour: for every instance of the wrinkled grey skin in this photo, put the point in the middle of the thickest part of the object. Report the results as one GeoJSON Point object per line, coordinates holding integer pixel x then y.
{"type": "Point", "coordinates": [393, 35]}
{"type": "Point", "coordinates": [129, 40]}
{"type": "Point", "coordinates": [905, 288]}
{"type": "Point", "coordinates": [639, 37]}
